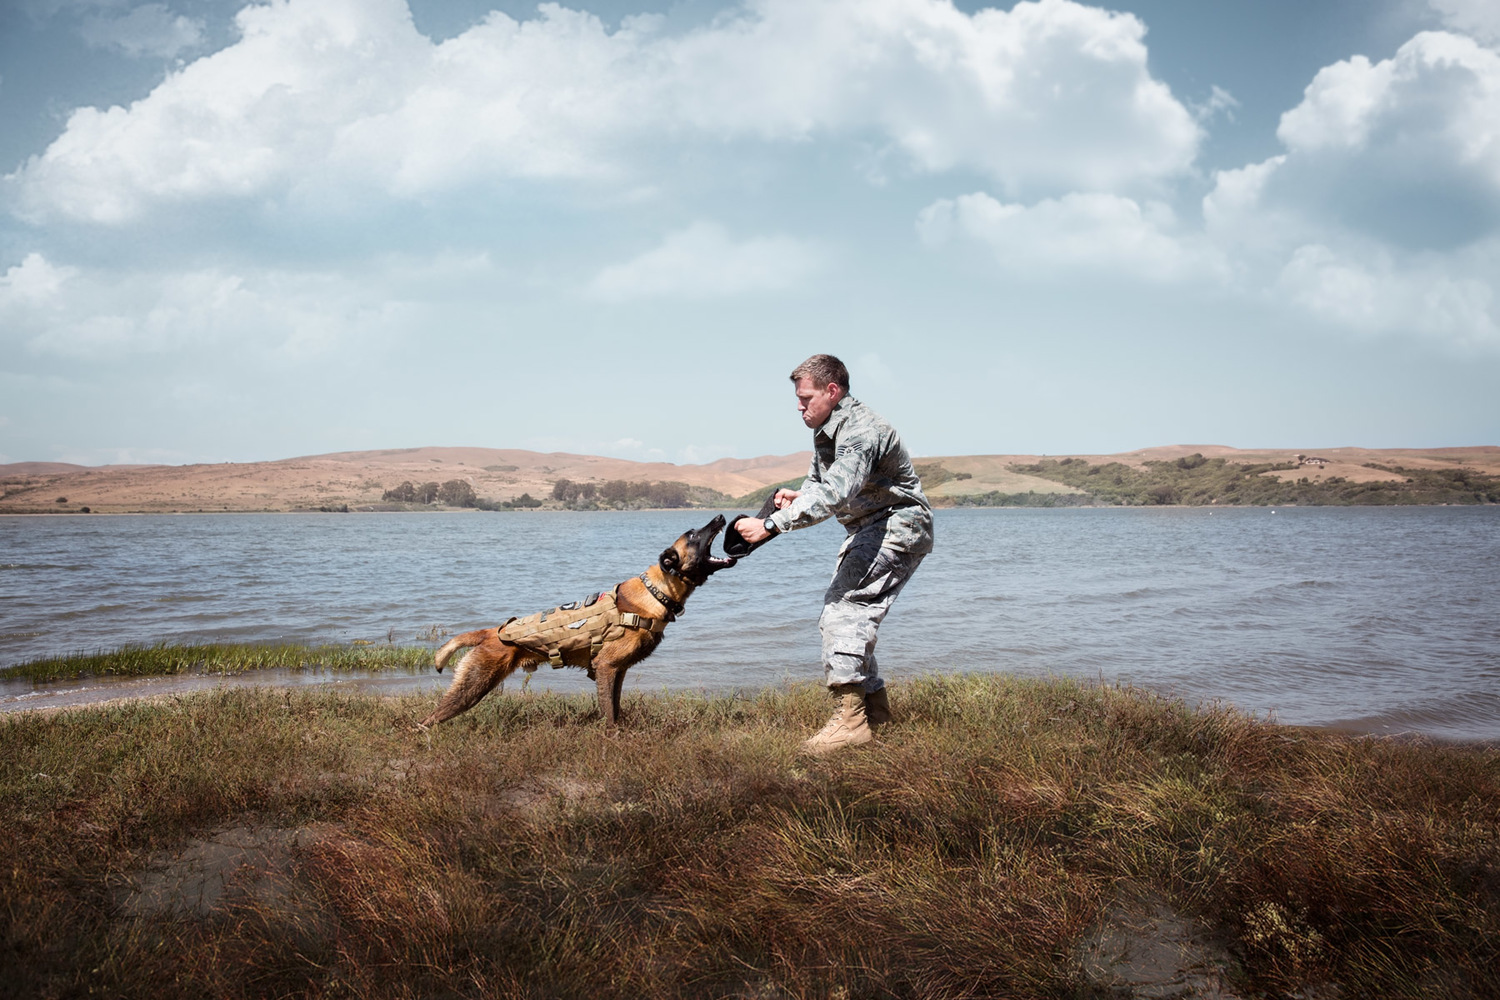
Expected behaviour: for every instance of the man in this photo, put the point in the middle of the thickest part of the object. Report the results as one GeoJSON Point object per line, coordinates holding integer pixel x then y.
{"type": "Point", "coordinates": [862, 475]}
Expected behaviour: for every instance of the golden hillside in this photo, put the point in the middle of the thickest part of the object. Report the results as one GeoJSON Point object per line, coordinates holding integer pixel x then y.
{"type": "Point", "coordinates": [358, 478]}
{"type": "Point", "coordinates": [355, 478]}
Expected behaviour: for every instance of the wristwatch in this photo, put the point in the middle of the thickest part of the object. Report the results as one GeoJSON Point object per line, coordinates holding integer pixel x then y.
{"type": "Point", "coordinates": [770, 526]}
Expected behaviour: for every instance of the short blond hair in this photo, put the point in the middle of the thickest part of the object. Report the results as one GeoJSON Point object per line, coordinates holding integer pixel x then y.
{"type": "Point", "coordinates": [823, 369]}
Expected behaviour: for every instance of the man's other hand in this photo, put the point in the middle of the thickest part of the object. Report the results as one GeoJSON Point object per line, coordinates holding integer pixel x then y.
{"type": "Point", "coordinates": [784, 497]}
{"type": "Point", "coordinates": [752, 529]}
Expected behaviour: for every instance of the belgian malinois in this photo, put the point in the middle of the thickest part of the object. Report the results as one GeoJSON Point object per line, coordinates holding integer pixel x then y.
{"type": "Point", "coordinates": [657, 594]}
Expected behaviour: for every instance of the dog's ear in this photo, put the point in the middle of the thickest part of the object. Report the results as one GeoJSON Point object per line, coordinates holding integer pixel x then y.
{"type": "Point", "coordinates": [669, 560]}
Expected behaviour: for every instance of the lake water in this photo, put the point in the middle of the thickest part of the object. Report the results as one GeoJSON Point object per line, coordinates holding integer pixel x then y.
{"type": "Point", "coordinates": [1377, 619]}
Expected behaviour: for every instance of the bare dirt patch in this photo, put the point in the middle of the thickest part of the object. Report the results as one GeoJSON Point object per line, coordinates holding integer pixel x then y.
{"type": "Point", "coordinates": [547, 795]}
{"type": "Point", "coordinates": [243, 866]}
{"type": "Point", "coordinates": [1344, 470]}
{"type": "Point", "coordinates": [986, 478]}
{"type": "Point", "coordinates": [1144, 949]}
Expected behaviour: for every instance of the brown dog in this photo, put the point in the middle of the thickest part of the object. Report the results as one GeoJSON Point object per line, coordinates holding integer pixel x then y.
{"type": "Point", "coordinates": [655, 598]}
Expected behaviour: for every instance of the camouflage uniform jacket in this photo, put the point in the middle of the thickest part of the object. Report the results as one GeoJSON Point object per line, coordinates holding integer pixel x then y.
{"type": "Point", "coordinates": [862, 475]}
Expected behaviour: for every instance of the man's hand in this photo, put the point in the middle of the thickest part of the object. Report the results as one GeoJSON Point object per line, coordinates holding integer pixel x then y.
{"type": "Point", "coordinates": [784, 497]}
{"type": "Point", "coordinates": [752, 529]}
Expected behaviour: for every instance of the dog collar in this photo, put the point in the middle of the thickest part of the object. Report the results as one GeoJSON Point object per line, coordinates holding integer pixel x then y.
{"type": "Point", "coordinates": [674, 608]}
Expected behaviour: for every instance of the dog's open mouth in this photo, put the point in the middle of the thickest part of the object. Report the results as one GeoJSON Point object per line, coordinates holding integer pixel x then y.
{"type": "Point", "coordinates": [705, 536]}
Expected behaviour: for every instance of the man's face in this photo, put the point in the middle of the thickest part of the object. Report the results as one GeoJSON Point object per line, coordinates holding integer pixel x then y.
{"type": "Point", "coordinates": [815, 403]}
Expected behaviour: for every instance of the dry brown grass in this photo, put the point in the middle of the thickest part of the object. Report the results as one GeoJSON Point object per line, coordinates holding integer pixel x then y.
{"type": "Point", "coordinates": [524, 851]}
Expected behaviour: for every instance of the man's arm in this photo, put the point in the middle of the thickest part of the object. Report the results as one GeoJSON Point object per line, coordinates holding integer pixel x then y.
{"type": "Point", "coordinates": [841, 482]}
{"type": "Point", "coordinates": [753, 529]}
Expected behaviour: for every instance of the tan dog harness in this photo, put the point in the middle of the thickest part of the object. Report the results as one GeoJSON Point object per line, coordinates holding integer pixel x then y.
{"type": "Point", "coordinates": [573, 634]}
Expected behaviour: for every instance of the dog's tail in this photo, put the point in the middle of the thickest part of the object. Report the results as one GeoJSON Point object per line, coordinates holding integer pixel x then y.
{"type": "Point", "coordinates": [458, 642]}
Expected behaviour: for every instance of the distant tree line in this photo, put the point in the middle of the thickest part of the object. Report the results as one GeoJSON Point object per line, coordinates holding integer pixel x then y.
{"type": "Point", "coordinates": [453, 493]}
{"type": "Point", "coordinates": [1190, 480]}
{"type": "Point", "coordinates": [1030, 498]}
{"type": "Point", "coordinates": [621, 494]}
{"type": "Point", "coordinates": [524, 500]}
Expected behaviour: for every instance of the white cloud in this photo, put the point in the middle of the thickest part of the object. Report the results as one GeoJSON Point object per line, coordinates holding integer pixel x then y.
{"type": "Point", "coordinates": [95, 316]}
{"type": "Point", "coordinates": [1383, 214]}
{"type": "Point", "coordinates": [148, 30]}
{"type": "Point", "coordinates": [1407, 149]}
{"type": "Point", "coordinates": [1045, 96]}
{"type": "Point", "coordinates": [1479, 18]}
{"type": "Point", "coordinates": [1382, 217]}
{"type": "Point", "coordinates": [702, 261]}
{"type": "Point", "coordinates": [319, 95]}
{"type": "Point", "coordinates": [1385, 295]}
{"type": "Point", "coordinates": [1102, 233]}
{"type": "Point", "coordinates": [1220, 102]}
{"type": "Point", "coordinates": [33, 283]}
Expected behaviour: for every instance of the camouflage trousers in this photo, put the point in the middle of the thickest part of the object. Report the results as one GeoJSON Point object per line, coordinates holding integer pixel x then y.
{"type": "Point", "coordinates": [869, 576]}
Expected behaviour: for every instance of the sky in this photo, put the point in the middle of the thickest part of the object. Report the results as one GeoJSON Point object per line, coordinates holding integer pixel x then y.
{"type": "Point", "coordinates": [241, 232]}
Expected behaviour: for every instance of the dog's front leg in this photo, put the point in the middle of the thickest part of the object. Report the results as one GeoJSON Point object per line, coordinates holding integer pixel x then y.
{"type": "Point", "coordinates": [615, 691]}
{"type": "Point", "coordinates": [609, 693]}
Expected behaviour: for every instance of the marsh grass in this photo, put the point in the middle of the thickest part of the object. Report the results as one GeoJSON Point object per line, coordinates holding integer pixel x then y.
{"type": "Point", "coordinates": [219, 658]}
{"type": "Point", "coordinates": [523, 851]}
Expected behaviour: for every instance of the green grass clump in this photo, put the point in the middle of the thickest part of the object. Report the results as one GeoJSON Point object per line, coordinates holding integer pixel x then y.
{"type": "Point", "coordinates": [219, 658]}
{"type": "Point", "coordinates": [523, 850]}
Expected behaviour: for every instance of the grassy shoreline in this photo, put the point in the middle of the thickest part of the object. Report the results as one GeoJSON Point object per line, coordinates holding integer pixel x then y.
{"type": "Point", "coordinates": [998, 840]}
{"type": "Point", "coordinates": [163, 659]}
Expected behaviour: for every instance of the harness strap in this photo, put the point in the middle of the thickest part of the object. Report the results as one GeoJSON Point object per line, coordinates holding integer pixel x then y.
{"type": "Point", "coordinates": [632, 620]}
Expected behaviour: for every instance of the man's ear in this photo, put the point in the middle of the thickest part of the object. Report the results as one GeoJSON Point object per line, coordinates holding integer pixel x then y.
{"type": "Point", "coordinates": [669, 560]}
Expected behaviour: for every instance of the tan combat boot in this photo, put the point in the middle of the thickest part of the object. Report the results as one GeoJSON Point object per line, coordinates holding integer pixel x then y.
{"type": "Point", "coordinates": [877, 708]}
{"type": "Point", "coordinates": [848, 727]}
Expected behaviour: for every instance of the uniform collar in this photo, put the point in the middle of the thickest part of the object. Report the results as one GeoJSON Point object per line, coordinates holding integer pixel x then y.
{"type": "Point", "coordinates": [841, 411]}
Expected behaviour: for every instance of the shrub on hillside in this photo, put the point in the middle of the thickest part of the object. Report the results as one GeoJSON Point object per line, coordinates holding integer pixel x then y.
{"type": "Point", "coordinates": [524, 500]}
{"type": "Point", "coordinates": [405, 493]}
{"type": "Point", "coordinates": [457, 493]}
{"type": "Point", "coordinates": [570, 492]}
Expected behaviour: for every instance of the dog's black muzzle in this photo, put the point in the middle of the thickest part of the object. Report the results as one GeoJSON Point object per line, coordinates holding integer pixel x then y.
{"type": "Point", "coordinates": [706, 563]}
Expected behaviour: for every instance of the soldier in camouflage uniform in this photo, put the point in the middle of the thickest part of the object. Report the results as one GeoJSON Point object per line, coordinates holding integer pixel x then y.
{"type": "Point", "coordinates": [862, 475]}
